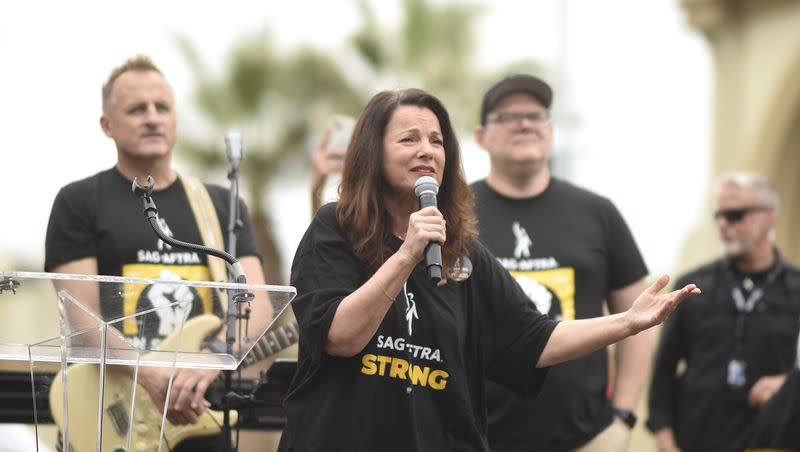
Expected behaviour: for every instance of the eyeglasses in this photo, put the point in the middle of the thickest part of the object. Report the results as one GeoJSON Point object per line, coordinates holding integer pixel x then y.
{"type": "Point", "coordinates": [736, 215]}
{"type": "Point", "coordinates": [515, 119]}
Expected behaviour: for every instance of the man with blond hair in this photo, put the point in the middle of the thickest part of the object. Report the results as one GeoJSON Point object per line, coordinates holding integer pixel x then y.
{"type": "Point", "coordinates": [725, 353]}
{"type": "Point", "coordinates": [96, 228]}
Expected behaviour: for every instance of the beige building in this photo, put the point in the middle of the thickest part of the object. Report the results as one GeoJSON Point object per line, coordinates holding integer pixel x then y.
{"type": "Point", "coordinates": [755, 46]}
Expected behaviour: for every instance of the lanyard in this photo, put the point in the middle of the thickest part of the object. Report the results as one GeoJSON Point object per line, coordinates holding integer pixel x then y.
{"type": "Point", "coordinates": [745, 305]}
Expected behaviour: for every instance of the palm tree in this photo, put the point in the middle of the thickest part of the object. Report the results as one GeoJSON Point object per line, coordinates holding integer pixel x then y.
{"type": "Point", "coordinates": [434, 49]}
{"type": "Point", "coordinates": [270, 98]}
{"type": "Point", "coordinates": [278, 101]}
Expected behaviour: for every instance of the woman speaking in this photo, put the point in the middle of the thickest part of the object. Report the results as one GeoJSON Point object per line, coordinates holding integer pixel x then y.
{"type": "Point", "coordinates": [389, 360]}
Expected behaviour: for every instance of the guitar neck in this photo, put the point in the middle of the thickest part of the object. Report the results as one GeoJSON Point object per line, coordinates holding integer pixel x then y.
{"type": "Point", "coordinates": [281, 338]}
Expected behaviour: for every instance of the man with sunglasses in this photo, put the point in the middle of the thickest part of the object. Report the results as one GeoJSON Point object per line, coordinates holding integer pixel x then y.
{"type": "Point", "coordinates": [723, 355]}
{"type": "Point", "coordinates": [570, 250]}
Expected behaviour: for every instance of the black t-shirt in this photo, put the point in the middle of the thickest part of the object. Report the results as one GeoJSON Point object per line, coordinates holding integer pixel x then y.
{"type": "Point", "coordinates": [567, 248]}
{"type": "Point", "coordinates": [100, 217]}
{"type": "Point", "coordinates": [419, 383]}
{"type": "Point", "coordinates": [703, 410]}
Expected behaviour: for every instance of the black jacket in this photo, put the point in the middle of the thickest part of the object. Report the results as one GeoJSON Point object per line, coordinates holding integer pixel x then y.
{"type": "Point", "coordinates": [705, 411]}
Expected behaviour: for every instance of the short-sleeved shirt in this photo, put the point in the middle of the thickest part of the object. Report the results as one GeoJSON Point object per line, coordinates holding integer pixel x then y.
{"type": "Point", "coordinates": [100, 217]}
{"type": "Point", "coordinates": [568, 248]}
{"type": "Point", "coordinates": [419, 383]}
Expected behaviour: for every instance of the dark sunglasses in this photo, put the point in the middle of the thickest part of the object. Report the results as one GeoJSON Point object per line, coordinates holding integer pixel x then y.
{"type": "Point", "coordinates": [736, 215]}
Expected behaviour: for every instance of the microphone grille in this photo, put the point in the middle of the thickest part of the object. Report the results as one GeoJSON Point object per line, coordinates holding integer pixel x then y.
{"type": "Point", "coordinates": [233, 141]}
{"type": "Point", "coordinates": [426, 184]}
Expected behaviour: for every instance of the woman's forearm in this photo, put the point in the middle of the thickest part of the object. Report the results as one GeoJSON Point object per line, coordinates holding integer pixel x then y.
{"type": "Point", "coordinates": [575, 338]}
{"type": "Point", "coordinates": [359, 314]}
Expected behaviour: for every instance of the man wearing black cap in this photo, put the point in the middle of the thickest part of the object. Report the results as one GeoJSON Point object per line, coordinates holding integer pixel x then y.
{"type": "Point", "coordinates": [570, 250]}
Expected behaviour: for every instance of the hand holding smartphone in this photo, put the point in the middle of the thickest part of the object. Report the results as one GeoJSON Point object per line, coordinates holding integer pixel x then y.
{"type": "Point", "coordinates": [329, 159]}
{"type": "Point", "coordinates": [341, 130]}
{"type": "Point", "coordinates": [329, 156]}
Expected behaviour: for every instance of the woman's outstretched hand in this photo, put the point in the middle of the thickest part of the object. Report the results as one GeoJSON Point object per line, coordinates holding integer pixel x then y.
{"type": "Point", "coordinates": [651, 308]}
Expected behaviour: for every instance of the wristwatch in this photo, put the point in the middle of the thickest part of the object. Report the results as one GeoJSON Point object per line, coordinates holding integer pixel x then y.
{"type": "Point", "coordinates": [627, 416]}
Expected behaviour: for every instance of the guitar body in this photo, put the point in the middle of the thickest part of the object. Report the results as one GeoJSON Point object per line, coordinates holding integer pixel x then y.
{"type": "Point", "coordinates": [83, 383]}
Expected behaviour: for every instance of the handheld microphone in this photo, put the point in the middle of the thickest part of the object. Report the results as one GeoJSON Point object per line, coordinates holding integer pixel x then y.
{"type": "Point", "coordinates": [426, 188]}
{"type": "Point", "coordinates": [233, 148]}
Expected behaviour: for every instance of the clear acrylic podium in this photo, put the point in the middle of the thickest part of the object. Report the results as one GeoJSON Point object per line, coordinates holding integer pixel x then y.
{"type": "Point", "coordinates": [99, 336]}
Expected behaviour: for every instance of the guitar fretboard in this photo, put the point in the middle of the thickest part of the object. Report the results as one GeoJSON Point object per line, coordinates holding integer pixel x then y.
{"type": "Point", "coordinates": [274, 341]}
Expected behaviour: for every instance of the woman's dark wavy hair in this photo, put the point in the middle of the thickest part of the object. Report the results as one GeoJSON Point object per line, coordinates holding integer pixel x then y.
{"type": "Point", "coordinates": [361, 213]}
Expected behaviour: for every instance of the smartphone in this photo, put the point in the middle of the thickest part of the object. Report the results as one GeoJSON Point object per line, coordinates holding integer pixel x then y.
{"type": "Point", "coordinates": [341, 132]}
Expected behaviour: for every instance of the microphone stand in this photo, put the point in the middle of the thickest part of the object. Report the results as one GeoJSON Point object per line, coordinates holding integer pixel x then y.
{"type": "Point", "coordinates": [235, 296]}
{"type": "Point", "coordinates": [233, 150]}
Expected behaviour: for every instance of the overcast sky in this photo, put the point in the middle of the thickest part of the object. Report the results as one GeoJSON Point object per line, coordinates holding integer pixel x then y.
{"type": "Point", "coordinates": [638, 78]}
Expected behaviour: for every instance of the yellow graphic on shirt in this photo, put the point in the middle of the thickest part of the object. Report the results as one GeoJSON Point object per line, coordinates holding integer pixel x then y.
{"type": "Point", "coordinates": [385, 366]}
{"type": "Point", "coordinates": [132, 293]}
{"type": "Point", "coordinates": [393, 367]}
{"type": "Point", "coordinates": [552, 291]}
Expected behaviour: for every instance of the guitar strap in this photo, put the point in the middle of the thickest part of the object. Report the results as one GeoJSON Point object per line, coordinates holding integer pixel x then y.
{"type": "Point", "coordinates": [205, 216]}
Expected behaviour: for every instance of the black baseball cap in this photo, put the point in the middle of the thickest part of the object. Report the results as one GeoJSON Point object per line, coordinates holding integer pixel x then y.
{"type": "Point", "coordinates": [516, 83]}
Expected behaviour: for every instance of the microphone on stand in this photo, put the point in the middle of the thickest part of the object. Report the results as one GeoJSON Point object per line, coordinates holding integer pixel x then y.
{"type": "Point", "coordinates": [426, 188]}
{"type": "Point", "coordinates": [235, 298]}
{"type": "Point", "coordinates": [233, 148]}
